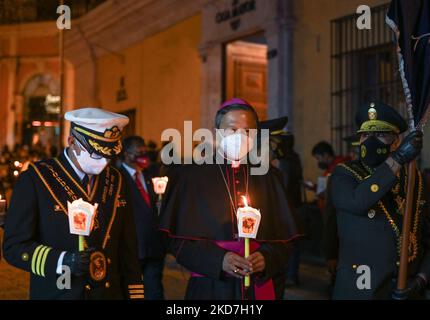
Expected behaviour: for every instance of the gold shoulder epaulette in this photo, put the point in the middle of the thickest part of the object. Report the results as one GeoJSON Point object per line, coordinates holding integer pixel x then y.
{"type": "Point", "coordinates": [350, 169]}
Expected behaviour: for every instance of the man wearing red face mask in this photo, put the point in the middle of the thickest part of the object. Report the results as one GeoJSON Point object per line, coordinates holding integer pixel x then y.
{"type": "Point", "coordinates": [135, 169]}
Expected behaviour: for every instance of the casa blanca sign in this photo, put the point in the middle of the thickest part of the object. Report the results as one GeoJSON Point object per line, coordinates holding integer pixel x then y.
{"type": "Point", "coordinates": [238, 8]}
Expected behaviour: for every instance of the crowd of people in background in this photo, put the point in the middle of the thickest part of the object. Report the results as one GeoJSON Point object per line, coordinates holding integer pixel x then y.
{"type": "Point", "coordinates": [15, 160]}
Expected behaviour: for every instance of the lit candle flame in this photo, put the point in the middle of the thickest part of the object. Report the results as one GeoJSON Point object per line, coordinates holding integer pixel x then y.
{"type": "Point", "coordinates": [245, 201]}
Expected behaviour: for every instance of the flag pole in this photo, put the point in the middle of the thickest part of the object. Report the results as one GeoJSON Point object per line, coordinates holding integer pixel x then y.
{"type": "Point", "coordinates": [407, 217]}
{"type": "Point", "coordinates": [402, 277]}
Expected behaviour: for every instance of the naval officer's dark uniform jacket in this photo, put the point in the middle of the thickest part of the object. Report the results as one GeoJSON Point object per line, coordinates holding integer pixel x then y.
{"type": "Point", "coordinates": [369, 224]}
{"type": "Point", "coordinates": [37, 232]}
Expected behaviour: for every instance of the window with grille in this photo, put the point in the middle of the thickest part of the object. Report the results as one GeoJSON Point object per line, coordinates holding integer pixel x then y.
{"type": "Point", "coordinates": [364, 67]}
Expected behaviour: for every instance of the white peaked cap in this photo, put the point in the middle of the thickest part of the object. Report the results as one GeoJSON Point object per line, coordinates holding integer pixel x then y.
{"type": "Point", "coordinates": [96, 119]}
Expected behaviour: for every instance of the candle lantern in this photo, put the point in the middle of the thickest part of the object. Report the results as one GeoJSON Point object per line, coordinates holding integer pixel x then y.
{"type": "Point", "coordinates": [81, 219]}
{"type": "Point", "coordinates": [159, 185]}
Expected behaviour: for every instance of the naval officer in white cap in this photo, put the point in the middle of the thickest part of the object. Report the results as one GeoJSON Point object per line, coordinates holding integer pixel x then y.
{"type": "Point", "coordinates": [37, 236]}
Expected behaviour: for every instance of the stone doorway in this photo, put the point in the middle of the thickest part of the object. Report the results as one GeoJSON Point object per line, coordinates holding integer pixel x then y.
{"type": "Point", "coordinates": [245, 72]}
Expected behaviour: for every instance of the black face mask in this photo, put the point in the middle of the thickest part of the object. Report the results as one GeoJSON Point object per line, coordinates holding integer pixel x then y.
{"type": "Point", "coordinates": [322, 165]}
{"type": "Point", "coordinates": [373, 152]}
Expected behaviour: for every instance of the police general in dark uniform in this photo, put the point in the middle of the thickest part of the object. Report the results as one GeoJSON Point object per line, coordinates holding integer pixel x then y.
{"type": "Point", "coordinates": [369, 198]}
{"type": "Point", "coordinates": [37, 236]}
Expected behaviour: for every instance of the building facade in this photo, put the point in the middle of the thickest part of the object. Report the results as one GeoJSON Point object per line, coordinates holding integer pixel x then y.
{"type": "Point", "coordinates": [166, 61]}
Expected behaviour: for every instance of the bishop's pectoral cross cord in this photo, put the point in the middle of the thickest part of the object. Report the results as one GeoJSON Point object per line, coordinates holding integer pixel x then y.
{"type": "Point", "coordinates": [229, 192]}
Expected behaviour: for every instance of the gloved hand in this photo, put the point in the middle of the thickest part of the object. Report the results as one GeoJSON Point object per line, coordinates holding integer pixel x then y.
{"type": "Point", "coordinates": [409, 149]}
{"type": "Point", "coordinates": [78, 261]}
{"type": "Point", "coordinates": [414, 289]}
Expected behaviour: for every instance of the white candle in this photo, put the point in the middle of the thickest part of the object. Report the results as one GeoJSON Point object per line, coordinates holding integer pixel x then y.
{"type": "Point", "coordinates": [160, 184]}
{"type": "Point", "coordinates": [248, 220]}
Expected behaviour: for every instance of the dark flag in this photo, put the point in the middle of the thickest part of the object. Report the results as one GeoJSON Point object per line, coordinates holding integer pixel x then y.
{"type": "Point", "coordinates": [410, 20]}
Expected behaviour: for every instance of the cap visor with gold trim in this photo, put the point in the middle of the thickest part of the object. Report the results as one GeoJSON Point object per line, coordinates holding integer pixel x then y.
{"type": "Point", "coordinates": [98, 130]}
{"type": "Point", "coordinates": [276, 126]}
{"type": "Point", "coordinates": [379, 117]}
{"type": "Point", "coordinates": [352, 140]}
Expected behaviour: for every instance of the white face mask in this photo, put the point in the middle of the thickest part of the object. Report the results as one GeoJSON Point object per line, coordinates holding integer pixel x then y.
{"type": "Point", "coordinates": [236, 146]}
{"type": "Point", "coordinates": [89, 165]}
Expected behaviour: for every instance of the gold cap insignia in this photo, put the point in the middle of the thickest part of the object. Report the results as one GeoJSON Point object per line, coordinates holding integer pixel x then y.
{"type": "Point", "coordinates": [112, 133]}
{"type": "Point", "coordinates": [373, 115]}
